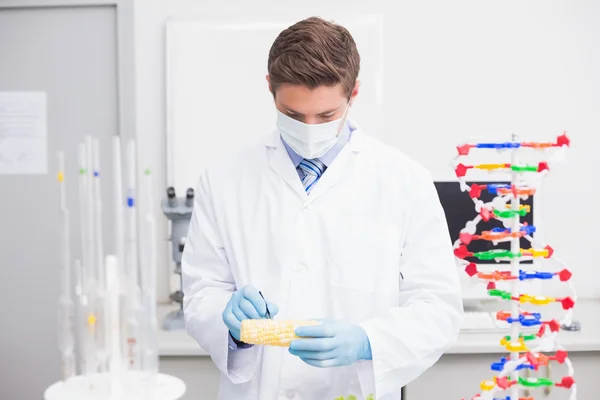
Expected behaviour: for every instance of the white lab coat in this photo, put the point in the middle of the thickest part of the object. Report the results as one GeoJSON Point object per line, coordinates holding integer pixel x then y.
{"type": "Point", "coordinates": [369, 245]}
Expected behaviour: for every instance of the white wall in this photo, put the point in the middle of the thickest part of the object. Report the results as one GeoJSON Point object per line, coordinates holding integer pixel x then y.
{"type": "Point", "coordinates": [557, 53]}
{"type": "Point", "coordinates": [71, 54]}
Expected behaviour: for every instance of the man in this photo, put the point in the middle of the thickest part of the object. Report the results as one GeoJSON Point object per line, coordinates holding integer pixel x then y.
{"type": "Point", "coordinates": [320, 221]}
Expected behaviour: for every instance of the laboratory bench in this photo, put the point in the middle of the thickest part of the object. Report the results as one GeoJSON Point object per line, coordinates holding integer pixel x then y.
{"type": "Point", "coordinates": [456, 375]}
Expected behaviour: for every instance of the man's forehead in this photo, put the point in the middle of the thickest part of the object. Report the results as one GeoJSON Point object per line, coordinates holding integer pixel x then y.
{"type": "Point", "coordinates": [303, 100]}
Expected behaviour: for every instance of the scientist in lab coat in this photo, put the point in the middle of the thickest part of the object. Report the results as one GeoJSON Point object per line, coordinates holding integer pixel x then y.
{"type": "Point", "coordinates": [327, 223]}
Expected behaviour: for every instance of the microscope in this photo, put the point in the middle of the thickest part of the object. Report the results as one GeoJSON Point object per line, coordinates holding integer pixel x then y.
{"type": "Point", "coordinates": [179, 212]}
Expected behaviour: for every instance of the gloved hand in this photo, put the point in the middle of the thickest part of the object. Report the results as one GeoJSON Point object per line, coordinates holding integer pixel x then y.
{"type": "Point", "coordinates": [331, 344]}
{"type": "Point", "coordinates": [246, 303]}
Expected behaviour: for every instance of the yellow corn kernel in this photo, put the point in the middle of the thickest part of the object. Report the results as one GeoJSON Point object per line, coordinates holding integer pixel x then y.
{"type": "Point", "coordinates": [269, 332]}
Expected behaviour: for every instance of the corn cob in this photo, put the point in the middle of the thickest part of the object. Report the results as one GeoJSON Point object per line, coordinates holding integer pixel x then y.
{"type": "Point", "coordinates": [269, 332]}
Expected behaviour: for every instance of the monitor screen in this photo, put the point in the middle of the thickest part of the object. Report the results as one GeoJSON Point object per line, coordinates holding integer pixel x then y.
{"type": "Point", "coordinates": [459, 209]}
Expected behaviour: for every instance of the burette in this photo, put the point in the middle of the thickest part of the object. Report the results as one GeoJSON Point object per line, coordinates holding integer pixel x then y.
{"type": "Point", "coordinates": [134, 311]}
{"type": "Point", "coordinates": [66, 306]}
{"type": "Point", "coordinates": [150, 350]}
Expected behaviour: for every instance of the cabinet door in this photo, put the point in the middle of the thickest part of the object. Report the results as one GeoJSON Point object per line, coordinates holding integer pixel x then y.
{"type": "Point", "coordinates": [457, 377]}
{"type": "Point", "coordinates": [200, 375]}
{"type": "Point", "coordinates": [454, 377]}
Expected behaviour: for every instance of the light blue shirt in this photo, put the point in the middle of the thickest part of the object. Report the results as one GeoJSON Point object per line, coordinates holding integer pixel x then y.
{"type": "Point", "coordinates": [327, 158]}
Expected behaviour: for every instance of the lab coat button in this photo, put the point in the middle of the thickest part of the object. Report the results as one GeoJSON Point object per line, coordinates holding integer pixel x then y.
{"type": "Point", "coordinates": [290, 394]}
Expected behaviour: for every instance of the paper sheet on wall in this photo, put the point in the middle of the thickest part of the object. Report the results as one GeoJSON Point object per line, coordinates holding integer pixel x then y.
{"type": "Point", "coordinates": [23, 130]}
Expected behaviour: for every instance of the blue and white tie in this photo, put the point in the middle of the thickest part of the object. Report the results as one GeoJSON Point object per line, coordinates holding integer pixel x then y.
{"type": "Point", "coordinates": [313, 169]}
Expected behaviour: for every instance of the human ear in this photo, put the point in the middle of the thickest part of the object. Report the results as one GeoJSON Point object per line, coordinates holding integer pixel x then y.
{"type": "Point", "coordinates": [354, 92]}
{"type": "Point", "coordinates": [269, 83]}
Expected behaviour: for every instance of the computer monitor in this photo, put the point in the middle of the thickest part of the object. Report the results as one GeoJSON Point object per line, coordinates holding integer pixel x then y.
{"type": "Point", "coordinates": [459, 209]}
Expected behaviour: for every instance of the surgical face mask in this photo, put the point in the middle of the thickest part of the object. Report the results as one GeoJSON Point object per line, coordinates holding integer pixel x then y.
{"type": "Point", "coordinates": [310, 140]}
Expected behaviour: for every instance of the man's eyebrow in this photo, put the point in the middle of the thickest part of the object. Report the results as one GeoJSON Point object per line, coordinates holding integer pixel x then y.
{"type": "Point", "coordinates": [290, 111]}
{"type": "Point", "coordinates": [329, 111]}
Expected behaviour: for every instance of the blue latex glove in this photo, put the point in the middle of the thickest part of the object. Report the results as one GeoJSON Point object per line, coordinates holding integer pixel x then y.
{"type": "Point", "coordinates": [246, 303]}
{"type": "Point", "coordinates": [331, 344]}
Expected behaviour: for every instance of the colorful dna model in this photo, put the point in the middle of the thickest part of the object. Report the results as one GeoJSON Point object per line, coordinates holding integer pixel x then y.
{"type": "Point", "coordinates": [530, 349]}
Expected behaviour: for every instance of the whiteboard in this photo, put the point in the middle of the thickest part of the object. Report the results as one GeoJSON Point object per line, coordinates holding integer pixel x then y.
{"type": "Point", "coordinates": [217, 94]}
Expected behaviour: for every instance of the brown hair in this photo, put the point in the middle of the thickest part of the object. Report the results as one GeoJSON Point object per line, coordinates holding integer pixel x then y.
{"type": "Point", "coordinates": [312, 53]}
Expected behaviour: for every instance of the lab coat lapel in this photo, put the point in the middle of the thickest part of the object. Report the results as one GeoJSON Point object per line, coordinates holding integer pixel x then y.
{"type": "Point", "coordinates": [342, 167]}
{"type": "Point", "coordinates": [280, 162]}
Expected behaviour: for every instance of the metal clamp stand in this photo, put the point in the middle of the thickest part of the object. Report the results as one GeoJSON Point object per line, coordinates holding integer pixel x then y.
{"type": "Point", "coordinates": [179, 212]}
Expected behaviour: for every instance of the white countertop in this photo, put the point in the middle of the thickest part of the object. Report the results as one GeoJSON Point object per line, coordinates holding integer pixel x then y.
{"type": "Point", "coordinates": [175, 343]}
{"type": "Point", "coordinates": [587, 312]}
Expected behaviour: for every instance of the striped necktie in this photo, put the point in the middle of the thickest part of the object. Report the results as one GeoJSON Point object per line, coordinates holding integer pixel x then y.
{"type": "Point", "coordinates": [313, 169]}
